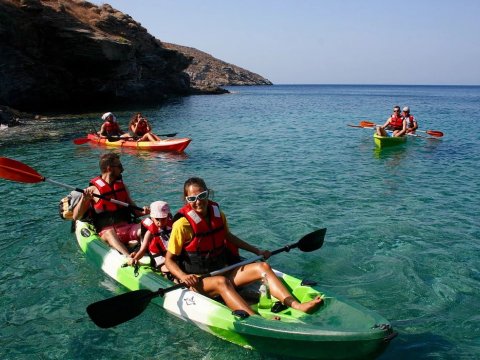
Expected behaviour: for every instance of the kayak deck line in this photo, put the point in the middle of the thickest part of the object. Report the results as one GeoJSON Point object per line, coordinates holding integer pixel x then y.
{"type": "Point", "coordinates": [339, 329]}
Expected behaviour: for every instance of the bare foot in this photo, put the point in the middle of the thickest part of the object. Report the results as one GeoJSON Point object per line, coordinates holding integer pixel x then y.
{"type": "Point", "coordinates": [309, 306]}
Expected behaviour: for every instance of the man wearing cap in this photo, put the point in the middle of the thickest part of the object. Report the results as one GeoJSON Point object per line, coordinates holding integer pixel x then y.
{"type": "Point", "coordinates": [156, 232]}
{"type": "Point", "coordinates": [410, 120]}
{"type": "Point", "coordinates": [110, 126]}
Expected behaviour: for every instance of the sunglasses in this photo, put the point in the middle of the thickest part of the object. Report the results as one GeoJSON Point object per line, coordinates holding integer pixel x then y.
{"type": "Point", "coordinates": [202, 196]}
{"type": "Point", "coordinates": [396, 110]}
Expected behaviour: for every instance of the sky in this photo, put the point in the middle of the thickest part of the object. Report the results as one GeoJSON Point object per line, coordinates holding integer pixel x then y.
{"type": "Point", "coordinates": [420, 42]}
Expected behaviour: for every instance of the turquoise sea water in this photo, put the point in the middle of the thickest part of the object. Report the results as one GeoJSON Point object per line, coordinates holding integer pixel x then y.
{"type": "Point", "coordinates": [403, 223]}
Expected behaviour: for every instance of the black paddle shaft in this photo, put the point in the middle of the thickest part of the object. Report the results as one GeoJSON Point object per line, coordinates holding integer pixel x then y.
{"type": "Point", "coordinates": [119, 309]}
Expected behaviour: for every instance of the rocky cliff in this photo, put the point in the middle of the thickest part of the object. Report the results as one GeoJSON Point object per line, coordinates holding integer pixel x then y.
{"type": "Point", "coordinates": [207, 72]}
{"type": "Point", "coordinates": [72, 55]}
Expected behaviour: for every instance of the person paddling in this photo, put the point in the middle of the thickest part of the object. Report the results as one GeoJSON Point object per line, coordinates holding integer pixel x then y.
{"type": "Point", "coordinates": [395, 123]}
{"type": "Point", "coordinates": [113, 222]}
{"type": "Point", "coordinates": [141, 130]}
{"type": "Point", "coordinates": [110, 127]}
{"type": "Point", "coordinates": [410, 120]}
{"type": "Point", "coordinates": [198, 245]}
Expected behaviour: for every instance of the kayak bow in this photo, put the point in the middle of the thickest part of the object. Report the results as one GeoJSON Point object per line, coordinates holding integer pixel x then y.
{"type": "Point", "coordinates": [387, 141]}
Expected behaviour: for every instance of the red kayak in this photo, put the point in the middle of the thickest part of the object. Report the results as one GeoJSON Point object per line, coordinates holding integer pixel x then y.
{"type": "Point", "coordinates": [179, 144]}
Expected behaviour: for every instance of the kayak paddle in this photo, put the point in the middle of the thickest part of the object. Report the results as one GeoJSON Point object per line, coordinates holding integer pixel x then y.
{"type": "Point", "coordinates": [14, 170]}
{"type": "Point", "coordinates": [435, 133]}
{"type": "Point", "coordinates": [356, 126]}
{"type": "Point", "coordinates": [81, 141]}
{"type": "Point", "coordinates": [119, 309]}
{"type": "Point", "coordinates": [368, 126]}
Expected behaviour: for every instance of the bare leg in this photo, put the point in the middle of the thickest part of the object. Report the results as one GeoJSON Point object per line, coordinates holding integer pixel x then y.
{"type": "Point", "coordinates": [220, 285]}
{"type": "Point", "coordinates": [144, 137]}
{"type": "Point", "coordinates": [252, 272]}
{"type": "Point", "coordinates": [149, 137]}
{"type": "Point", "coordinates": [381, 131]}
{"type": "Point", "coordinates": [111, 238]}
{"type": "Point", "coordinates": [155, 137]}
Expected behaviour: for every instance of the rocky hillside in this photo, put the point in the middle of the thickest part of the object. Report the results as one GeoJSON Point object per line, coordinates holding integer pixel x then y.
{"type": "Point", "coordinates": [73, 55]}
{"type": "Point", "coordinates": [205, 71]}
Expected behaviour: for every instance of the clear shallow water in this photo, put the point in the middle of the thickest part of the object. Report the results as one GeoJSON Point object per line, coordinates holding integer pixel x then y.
{"type": "Point", "coordinates": [403, 224]}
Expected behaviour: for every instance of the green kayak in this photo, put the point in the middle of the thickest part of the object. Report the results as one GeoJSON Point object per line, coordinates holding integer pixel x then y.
{"type": "Point", "coordinates": [386, 141]}
{"type": "Point", "coordinates": [339, 329]}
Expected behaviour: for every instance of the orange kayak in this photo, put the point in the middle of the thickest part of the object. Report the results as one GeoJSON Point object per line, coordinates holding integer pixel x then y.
{"type": "Point", "coordinates": [178, 144]}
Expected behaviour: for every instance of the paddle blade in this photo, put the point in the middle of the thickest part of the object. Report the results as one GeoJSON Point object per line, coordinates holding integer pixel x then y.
{"type": "Point", "coordinates": [168, 135]}
{"type": "Point", "coordinates": [312, 241]}
{"type": "Point", "coordinates": [81, 141]}
{"type": "Point", "coordinates": [367, 124]}
{"type": "Point", "coordinates": [119, 309]}
{"type": "Point", "coordinates": [14, 170]}
{"type": "Point", "coordinates": [435, 133]}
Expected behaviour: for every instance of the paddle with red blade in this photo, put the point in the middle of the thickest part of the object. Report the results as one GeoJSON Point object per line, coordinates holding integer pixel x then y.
{"type": "Point", "coordinates": [356, 126]}
{"type": "Point", "coordinates": [81, 141]}
{"type": "Point", "coordinates": [434, 133]}
{"type": "Point", "coordinates": [14, 170]}
{"type": "Point", "coordinates": [119, 309]}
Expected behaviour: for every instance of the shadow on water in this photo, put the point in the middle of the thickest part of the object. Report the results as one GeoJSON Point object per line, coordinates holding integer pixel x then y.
{"type": "Point", "coordinates": [419, 346]}
{"type": "Point", "coordinates": [141, 154]}
{"type": "Point", "coordinates": [396, 153]}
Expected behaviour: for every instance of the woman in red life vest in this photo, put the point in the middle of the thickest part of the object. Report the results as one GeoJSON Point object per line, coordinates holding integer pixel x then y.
{"type": "Point", "coordinates": [156, 230]}
{"type": "Point", "coordinates": [395, 123]}
{"type": "Point", "coordinates": [198, 246]}
{"type": "Point", "coordinates": [140, 129]}
{"type": "Point", "coordinates": [410, 120]}
{"type": "Point", "coordinates": [110, 126]}
{"type": "Point", "coordinates": [113, 222]}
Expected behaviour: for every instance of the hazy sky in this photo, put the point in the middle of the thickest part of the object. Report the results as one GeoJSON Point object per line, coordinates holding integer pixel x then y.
{"type": "Point", "coordinates": [326, 41]}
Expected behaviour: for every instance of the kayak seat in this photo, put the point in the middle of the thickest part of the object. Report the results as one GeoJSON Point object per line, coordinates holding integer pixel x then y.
{"type": "Point", "coordinates": [250, 293]}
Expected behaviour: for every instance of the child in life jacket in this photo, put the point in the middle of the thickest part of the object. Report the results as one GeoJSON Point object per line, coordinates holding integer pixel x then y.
{"type": "Point", "coordinates": [156, 231]}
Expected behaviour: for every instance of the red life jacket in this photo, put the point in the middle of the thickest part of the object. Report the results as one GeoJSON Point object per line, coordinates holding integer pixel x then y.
{"type": "Point", "coordinates": [410, 121]}
{"type": "Point", "coordinates": [117, 192]}
{"type": "Point", "coordinates": [396, 122]}
{"type": "Point", "coordinates": [206, 251]}
{"type": "Point", "coordinates": [108, 213]}
{"type": "Point", "coordinates": [111, 127]}
{"type": "Point", "coordinates": [159, 242]}
{"type": "Point", "coordinates": [142, 128]}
